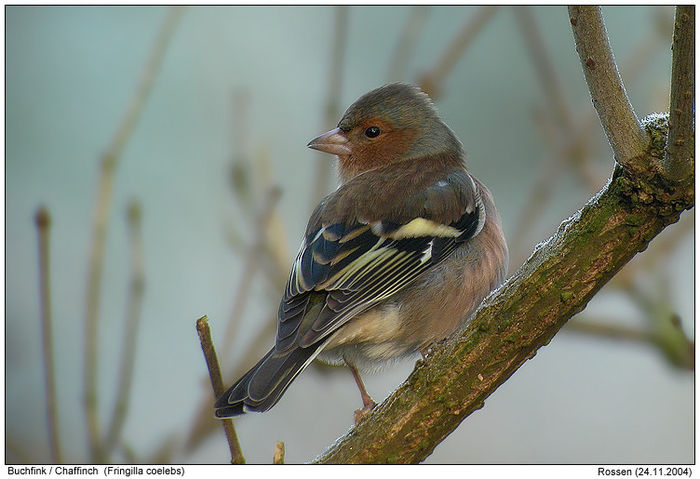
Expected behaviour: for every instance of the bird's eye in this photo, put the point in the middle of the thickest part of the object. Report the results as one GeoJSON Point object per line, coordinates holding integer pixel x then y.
{"type": "Point", "coordinates": [372, 132]}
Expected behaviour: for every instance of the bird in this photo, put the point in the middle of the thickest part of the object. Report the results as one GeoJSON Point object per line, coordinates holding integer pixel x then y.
{"type": "Point", "coordinates": [391, 262]}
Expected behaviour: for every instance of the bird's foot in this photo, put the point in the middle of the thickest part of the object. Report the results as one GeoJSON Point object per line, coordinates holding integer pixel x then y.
{"type": "Point", "coordinates": [360, 414]}
{"type": "Point", "coordinates": [425, 351]}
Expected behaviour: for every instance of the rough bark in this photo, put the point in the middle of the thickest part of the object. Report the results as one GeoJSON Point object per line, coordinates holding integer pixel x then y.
{"type": "Point", "coordinates": [680, 157]}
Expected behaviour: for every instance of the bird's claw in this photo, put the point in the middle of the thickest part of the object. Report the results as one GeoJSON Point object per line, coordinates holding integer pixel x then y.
{"type": "Point", "coordinates": [360, 414]}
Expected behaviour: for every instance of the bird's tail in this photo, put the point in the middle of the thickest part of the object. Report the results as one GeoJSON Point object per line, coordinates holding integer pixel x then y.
{"type": "Point", "coordinates": [261, 387]}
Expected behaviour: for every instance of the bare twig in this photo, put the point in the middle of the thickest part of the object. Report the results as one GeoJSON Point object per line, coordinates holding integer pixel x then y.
{"type": "Point", "coordinates": [667, 333]}
{"type": "Point", "coordinates": [332, 109]}
{"type": "Point", "coordinates": [43, 225]}
{"type": "Point", "coordinates": [432, 81]}
{"type": "Point", "coordinates": [251, 266]}
{"type": "Point", "coordinates": [251, 178]}
{"type": "Point", "coordinates": [407, 42]}
{"type": "Point", "coordinates": [607, 329]}
{"type": "Point", "coordinates": [204, 424]}
{"type": "Point", "coordinates": [278, 458]}
{"type": "Point", "coordinates": [680, 154]}
{"type": "Point", "coordinates": [218, 386]}
{"type": "Point", "coordinates": [276, 245]}
{"type": "Point", "coordinates": [241, 159]}
{"type": "Point", "coordinates": [101, 220]}
{"type": "Point", "coordinates": [624, 131]}
{"type": "Point", "coordinates": [666, 336]}
{"type": "Point", "coordinates": [543, 67]}
{"type": "Point", "coordinates": [133, 316]}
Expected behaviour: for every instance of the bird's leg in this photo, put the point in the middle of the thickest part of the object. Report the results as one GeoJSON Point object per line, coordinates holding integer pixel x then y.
{"type": "Point", "coordinates": [367, 402]}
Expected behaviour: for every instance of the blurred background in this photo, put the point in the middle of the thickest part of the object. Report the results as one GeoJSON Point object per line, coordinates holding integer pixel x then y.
{"type": "Point", "coordinates": [196, 119]}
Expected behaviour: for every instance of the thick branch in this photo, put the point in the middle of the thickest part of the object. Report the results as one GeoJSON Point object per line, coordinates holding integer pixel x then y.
{"type": "Point", "coordinates": [680, 159]}
{"type": "Point", "coordinates": [556, 282]}
{"type": "Point", "coordinates": [624, 132]}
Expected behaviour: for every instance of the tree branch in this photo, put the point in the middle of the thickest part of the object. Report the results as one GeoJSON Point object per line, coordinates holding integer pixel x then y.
{"type": "Point", "coordinates": [624, 132]}
{"type": "Point", "coordinates": [679, 157]}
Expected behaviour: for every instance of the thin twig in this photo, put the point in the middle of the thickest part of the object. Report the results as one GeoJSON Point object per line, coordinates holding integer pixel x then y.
{"type": "Point", "coordinates": [253, 174]}
{"type": "Point", "coordinates": [665, 332]}
{"type": "Point", "coordinates": [667, 337]}
{"type": "Point", "coordinates": [278, 458]}
{"type": "Point", "coordinates": [680, 153]}
{"type": "Point", "coordinates": [543, 67]}
{"type": "Point", "coordinates": [250, 268]}
{"type": "Point", "coordinates": [133, 316]}
{"type": "Point", "coordinates": [43, 225]}
{"type": "Point", "coordinates": [276, 246]}
{"type": "Point", "coordinates": [204, 424]}
{"type": "Point", "coordinates": [560, 117]}
{"type": "Point", "coordinates": [218, 386]}
{"type": "Point", "coordinates": [622, 127]}
{"type": "Point", "coordinates": [241, 158]}
{"type": "Point", "coordinates": [432, 82]}
{"type": "Point", "coordinates": [606, 329]}
{"type": "Point", "coordinates": [101, 220]}
{"type": "Point", "coordinates": [332, 109]}
{"type": "Point", "coordinates": [407, 41]}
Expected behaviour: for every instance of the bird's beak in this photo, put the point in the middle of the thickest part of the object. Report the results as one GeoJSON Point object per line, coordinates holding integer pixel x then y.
{"type": "Point", "coordinates": [334, 142]}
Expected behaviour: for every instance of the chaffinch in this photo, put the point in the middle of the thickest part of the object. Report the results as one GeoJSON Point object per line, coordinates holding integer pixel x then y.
{"type": "Point", "coordinates": [396, 258]}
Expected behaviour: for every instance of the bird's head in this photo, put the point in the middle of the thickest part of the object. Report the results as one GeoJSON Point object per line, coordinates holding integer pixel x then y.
{"type": "Point", "coordinates": [393, 123]}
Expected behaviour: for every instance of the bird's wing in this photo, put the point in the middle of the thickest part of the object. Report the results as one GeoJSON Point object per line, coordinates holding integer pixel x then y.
{"type": "Point", "coordinates": [344, 268]}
